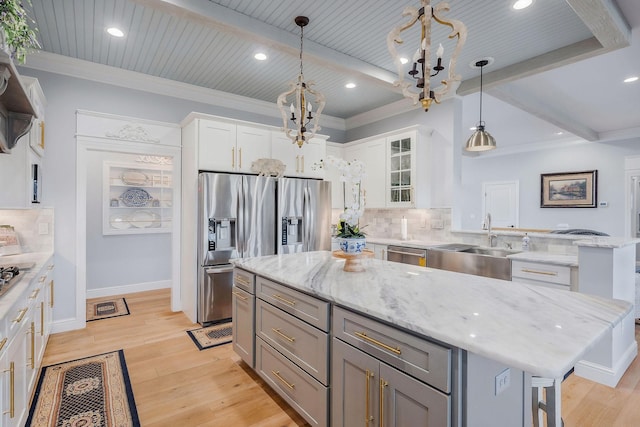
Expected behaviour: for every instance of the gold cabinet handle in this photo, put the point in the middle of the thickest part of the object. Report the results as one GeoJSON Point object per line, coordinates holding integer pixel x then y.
{"type": "Point", "coordinates": [364, 336]}
{"type": "Point", "coordinates": [233, 157]}
{"type": "Point", "coordinates": [2, 343]}
{"type": "Point", "coordinates": [32, 332]}
{"type": "Point", "coordinates": [12, 388]}
{"type": "Point", "coordinates": [242, 280]}
{"type": "Point", "coordinates": [285, 382]}
{"type": "Point", "coordinates": [297, 163]}
{"type": "Point", "coordinates": [20, 316]}
{"type": "Point", "coordinates": [34, 294]}
{"type": "Point", "coordinates": [286, 337]}
{"type": "Point", "coordinates": [302, 163]}
{"type": "Point", "coordinates": [239, 295]}
{"type": "Point", "coordinates": [240, 158]}
{"type": "Point", "coordinates": [52, 293]}
{"type": "Point", "coordinates": [367, 417]}
{"type": "Point", "coordinates": [547, 273]}
{"type": "Point", "coordinates": [284, 300]}
{"type": "Point", "coordinates": [383, 384]}
{"type": "Point", "coordinates": [41, 318]}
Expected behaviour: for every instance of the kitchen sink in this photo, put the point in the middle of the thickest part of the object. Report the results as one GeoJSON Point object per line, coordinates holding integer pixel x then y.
{"type": "Point", "coordinates": [479, 261]}
{"type": "Point", "coordinates": [497, 252]}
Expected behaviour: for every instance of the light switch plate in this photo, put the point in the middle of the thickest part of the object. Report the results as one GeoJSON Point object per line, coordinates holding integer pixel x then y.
{"type": "Point", "coordinates": [437, 224]}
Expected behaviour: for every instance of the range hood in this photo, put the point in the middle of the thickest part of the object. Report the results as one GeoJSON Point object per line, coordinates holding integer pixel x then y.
{"type": "Point", "coordinates": [16, 110]}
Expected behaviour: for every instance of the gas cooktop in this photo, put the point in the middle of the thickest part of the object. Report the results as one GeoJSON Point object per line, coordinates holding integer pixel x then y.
{"type": "Point", "coordinates": [8, 277]}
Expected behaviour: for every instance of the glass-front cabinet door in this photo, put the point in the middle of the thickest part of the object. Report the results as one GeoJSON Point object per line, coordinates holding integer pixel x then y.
{"type": "Point", "coordinates": [401, 172]}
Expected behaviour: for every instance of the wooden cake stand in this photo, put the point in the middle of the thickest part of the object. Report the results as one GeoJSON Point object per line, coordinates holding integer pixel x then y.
{"type": "Point", "coordinates": [353, 262]}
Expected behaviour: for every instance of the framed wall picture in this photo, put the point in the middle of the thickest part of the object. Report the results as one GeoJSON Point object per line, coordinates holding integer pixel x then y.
{"type": "Point", "coordinates": [569, 190]}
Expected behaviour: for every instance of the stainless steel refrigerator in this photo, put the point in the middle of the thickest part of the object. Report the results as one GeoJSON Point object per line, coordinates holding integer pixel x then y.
{"type": "Point", "coordinates": [247, 216]}
{"type": "Point", "coordinates": [304, 215]}
{"type": "Point", "coordinates": [237, 218]}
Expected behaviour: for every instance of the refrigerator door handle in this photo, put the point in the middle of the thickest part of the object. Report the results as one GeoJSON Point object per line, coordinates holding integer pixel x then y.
{"type": "Point", "coordinates": [306, 224]}
{"type": "Point", "coordinates": [240, 214]}
{"type": "Point", "coordinates": [218, 270]}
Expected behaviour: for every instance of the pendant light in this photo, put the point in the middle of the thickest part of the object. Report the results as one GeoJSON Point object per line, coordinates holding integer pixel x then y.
{"type": "Point", "coordinates": [480, 140]}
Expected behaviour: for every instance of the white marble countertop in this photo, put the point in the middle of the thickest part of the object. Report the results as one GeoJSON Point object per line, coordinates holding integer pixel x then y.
{"type": "Point", "coordinates": [539, 330]}
{"type": "Point", "coordinates": [607, 242]}
{"type": "Point", "coordinates": [546, 257]}
{"type": "Point", "coordinates": [38, 259]}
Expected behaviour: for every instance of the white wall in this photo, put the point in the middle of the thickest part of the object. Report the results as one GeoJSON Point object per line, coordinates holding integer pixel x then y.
{"type": "Point", "coordinates": [606, 158]}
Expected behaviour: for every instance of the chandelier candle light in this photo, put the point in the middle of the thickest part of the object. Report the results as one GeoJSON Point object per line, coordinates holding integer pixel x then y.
{"type": "Point", "coordinates": [421, 71]}
{"type": "Point", "coordinates": [301, 109]}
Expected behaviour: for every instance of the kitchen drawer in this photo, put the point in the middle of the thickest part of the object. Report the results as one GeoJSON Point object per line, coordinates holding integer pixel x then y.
{"type": "Point", "coordinates": [303, 306]}
{"type": "Point", "coordinates": [306, 395]}
{"type": "Point", "coordinates": [305, 345]}
{"type": "Point", "coordinates": [559, 274]}
{"type": "Point", "coordinates": [244, 280]}
{"type": "Point", "coordinates": [243, 314]}
{"type": "Point", "coordinates": [418, 357]}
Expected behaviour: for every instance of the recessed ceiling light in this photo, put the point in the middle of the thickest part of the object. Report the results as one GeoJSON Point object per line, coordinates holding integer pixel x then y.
{"type": "Point", "coordinates": [403, 60]}
{"type": "Point", "coordinates": [559, 133]}
{"type": "Point", "coordinates": [522, 4]}
{"type": "Point", "coordinates": [631, 79]}
{"type": "Point", "coordinates": [115, 32]}
{"type": "Point", "coordinates": [260, 56]}
{"type": "Point", "coordinates": [350, 85]}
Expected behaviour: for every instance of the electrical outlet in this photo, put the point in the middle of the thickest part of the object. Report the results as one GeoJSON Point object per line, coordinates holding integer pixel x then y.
{"type": "Point", "coordinates": [437, 224]}
{"type": "Point", "coordinates": [503, 381]}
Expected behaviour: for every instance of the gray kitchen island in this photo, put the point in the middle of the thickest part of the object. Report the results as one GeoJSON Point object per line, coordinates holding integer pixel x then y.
{"type": "Point", "coordinates": [400, 345]}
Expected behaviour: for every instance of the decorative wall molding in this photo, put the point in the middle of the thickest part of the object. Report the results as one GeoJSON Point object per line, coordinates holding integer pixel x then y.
{"type": "Point", "coordinates": [156, 160]}
{"type": "Point", "coordinates": [132, 132]}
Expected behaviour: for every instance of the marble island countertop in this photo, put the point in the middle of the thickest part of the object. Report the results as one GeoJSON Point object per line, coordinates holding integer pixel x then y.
{"type": "Point", "coordinates": [36, 260]}
{"type": "Point", "coordinates": [539, 330]}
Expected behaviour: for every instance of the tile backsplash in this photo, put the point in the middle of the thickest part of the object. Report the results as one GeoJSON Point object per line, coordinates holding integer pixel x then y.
{"type": "Point", "coordinates": [434, 225]}
{"type": "Point", "coordinates": [33, 226]}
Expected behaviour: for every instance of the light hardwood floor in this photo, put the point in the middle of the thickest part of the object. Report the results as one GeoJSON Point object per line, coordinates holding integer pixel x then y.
{"type": "Point", "coordinates": [174, 383]}
{"type": "Point", "coordinates": [177, 385]}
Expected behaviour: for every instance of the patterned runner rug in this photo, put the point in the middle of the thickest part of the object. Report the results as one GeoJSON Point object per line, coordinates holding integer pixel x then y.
{"type": "Point", "coordinates": [211, 336]}
{"type": "Point", "coordinates": [93, 391]}
{"type": "Point", "coordinates": [105, 309]}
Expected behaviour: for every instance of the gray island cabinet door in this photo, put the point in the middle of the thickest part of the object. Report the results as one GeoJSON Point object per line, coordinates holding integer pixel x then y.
{"type": "Point", "coordinates": [366, 391]}
{"type": "Point", "coordinates": [243, 313]}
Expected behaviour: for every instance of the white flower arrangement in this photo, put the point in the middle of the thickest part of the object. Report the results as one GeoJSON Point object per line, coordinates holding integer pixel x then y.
{"type": "Point", "coordinates": [352, 173]}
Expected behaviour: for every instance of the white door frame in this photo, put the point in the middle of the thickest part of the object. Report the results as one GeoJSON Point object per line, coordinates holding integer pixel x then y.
{"type": "Point", "coordinates": [632, 168]}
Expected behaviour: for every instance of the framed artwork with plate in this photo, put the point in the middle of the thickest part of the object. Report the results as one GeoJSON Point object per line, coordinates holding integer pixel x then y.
{"type": "Point", "coordinates": [569, 190]}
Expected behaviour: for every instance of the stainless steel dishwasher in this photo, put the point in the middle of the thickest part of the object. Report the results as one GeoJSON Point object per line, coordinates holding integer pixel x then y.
{"type": "Point", "coordinates": [407, 255]}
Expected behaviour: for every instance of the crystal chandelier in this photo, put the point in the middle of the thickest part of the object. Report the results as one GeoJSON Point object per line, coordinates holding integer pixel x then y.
{"type": "Point", "coordinates": [300, 110]}
{"type": "Point", "coordinates": [421, 71]}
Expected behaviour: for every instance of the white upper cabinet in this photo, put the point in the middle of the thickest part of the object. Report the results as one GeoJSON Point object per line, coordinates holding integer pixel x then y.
{"type": "Point", "coordinates": [409, 168]}
{"type": "Point", "coordinates": [252, 143]}
{"type": "Point", "coordinates": [23, 166]}
{"type": "Point", "coordinates": [333, 175]}
{"type": "Point", "coordinates": [373, 154]}
{"type": "Point", "coordinates": [225, 145]}
{"type": "Point", "coordinates": [299, 161]}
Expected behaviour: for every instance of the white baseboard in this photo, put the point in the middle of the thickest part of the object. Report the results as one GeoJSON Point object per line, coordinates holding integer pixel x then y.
{"type": "Point", "coordinates": [604, 374]}
{"type": "Point", "coordinates": [127, 289]}
{"type": "Point", "coordinates": [65, 325]}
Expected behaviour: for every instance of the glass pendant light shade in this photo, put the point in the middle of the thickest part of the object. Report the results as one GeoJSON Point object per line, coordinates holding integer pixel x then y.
{"type": "Point", "coordinates": [480, 140]}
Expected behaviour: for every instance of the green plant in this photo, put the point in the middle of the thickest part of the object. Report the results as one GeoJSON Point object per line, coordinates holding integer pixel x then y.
{"type": "Point", "coordinates": [349, 231]}
{"type": "Point", "coordinates": [19, 37]}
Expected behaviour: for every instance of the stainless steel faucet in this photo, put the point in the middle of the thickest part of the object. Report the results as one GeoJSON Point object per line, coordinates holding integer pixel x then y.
{"type": "Point", "coordinates": [486, 225]}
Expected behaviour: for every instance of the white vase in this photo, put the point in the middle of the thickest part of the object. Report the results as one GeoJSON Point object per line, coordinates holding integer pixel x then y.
{"type": "Point", "coordinates": [352, 245]}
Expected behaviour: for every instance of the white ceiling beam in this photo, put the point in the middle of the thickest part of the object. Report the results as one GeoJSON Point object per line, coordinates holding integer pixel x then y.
{"type": "Point", "coordinates": [610, 32]}
{"type": "Point", "coordinates": [604, 19]}
{"type": "Point", "coordinates": [527, 102]}
{"type": "Point", "coordinates": [232, 22]}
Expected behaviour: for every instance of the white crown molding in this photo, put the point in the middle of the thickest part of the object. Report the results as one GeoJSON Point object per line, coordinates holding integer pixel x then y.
{"type": "Point", "coordinates": [87, 70]}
